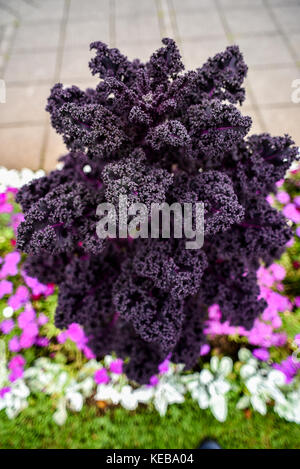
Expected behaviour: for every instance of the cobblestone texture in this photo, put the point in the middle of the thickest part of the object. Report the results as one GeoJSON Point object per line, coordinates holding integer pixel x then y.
{"type": "Point", "coordinates": [45, 41]}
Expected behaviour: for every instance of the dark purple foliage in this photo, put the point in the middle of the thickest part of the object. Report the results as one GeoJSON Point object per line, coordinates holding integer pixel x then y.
{"type": "Point", "coordinates": [155, 134]}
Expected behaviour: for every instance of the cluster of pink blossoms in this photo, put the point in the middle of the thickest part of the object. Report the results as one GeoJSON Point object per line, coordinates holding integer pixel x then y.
{"type": "Point", "coordinates": [102, 375]}
{"type": "Point", "coordinates": [27, 324]}
{"type": "Point", "coordinates": [263, 332]}
{"type": "Point", "coordinates": [76, 334]}
{"type": "Point", "coordinates": [290, 207]}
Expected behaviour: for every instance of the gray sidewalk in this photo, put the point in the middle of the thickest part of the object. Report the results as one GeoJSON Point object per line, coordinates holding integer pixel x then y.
{"type": "Point", "coordinates": [45, 41]}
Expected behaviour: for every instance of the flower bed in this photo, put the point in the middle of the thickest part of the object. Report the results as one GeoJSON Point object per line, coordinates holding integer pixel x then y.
{"type": "Point", "coordinates": [255, 369]}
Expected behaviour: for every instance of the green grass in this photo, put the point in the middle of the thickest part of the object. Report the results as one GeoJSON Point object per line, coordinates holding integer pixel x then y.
{"type": "Point", "coordinates": [184, 426]}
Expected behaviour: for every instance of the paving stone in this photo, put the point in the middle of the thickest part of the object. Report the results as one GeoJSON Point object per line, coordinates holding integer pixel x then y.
{"type": "Point", "coordinates": [197, 24]}
{"type": "Point", "coordinates": [38, 10]}
{"type": "Point", "coordinates": [182, 7]}
{"type": "Point", "coordinates": [33, 66]}
{"type": "Point", "coordinates": [82, 33]}
{"type": "Point", "coordinates": [137, 28]}
{"type": "Point", "coordinates": [92, 9]}
{"type": "Point", "coordinates": [55, 148]}
{"type": "Point", "coordinates": [249, 21]}
{"type": "Point", "coordinates": [135, 8]}
{"type": "Point", "coordinates": [21, 147]}
{"type": "Point", "coordinates": [288, 18]}
{"type": "Point", "coordinates": [284, 3]}
{"type": "Point", "coordinates": [241, 3]}
{"type": "Point", "coordinates": [39, 36]}
{"type": "Point", "coordinates": [24, 104]}
{"type": "Point", "coordinates": [134, 26]}
{"type": "Point", "coordinates": [280, 120]}
{"type": "Point", "coordinates": [294, 39]}
{"type": "Point", "coordinates": [75, 66]}
{"type": "Point", "coordinates": [196, 52]}
{"type": "Point", "coordinates": [265, 50]}
{"type": "Point", "coordinates": [273, 86]}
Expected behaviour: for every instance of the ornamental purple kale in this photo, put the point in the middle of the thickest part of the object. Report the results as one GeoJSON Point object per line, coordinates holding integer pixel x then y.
{"type": "Point", "coordinates": [155, 134]}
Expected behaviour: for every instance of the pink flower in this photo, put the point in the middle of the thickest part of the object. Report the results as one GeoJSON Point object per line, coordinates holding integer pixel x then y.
{"type": "Point", "coordinates": [298, 231]}
{"type": "Point", "coordinates": [26, 317]}
{"type": "Point", "coordinates": [13, 344]}
{"type": "Point", "coordinates": [42, 342]}
{"type": "Point", "coordinates": [261, 334]}
{"type": "Point", "coordinates": [36, 287]}
{"type": "Point", "coordinates": [290, 211]}
{"type": "Point", "coordinates": [214, 312]}
{"type": "Point", "coordinates": [26, 340]}
{"type": "Point", "coordinates": [290, 243]}
{"type": "Point", "coordinates": [31, 329]}
{"type": "Point", "coordinates": [270, 199]}
{"type": "Point", "coordinates": [289, 367]}
{"type": "Point", "coordinates": [16, 373]}
{"type": "Point", "coordinates": [153, 381]}
{"type": "Point", "coordinates": [10, 266]}
{"type": "Point", "coordinates": [101, 376]}
{"type": "Point", "coordinates": [42, 319]}
{"type": "Point", "coordinates": [283, 197]}
{"type": "Point", "coordinates": [5, 207]}
{"type": "Point", "coordinates": [297, 340]}
{"type": "Point", "coordinates": [297, 200]}
{"type": "Point", "coordinates": [279, 183]}
{"type": "Point", "coordinates": [297, 301]}
{"type": "Point", "coordinates": [88, 353]}
{"type": "Point", "coordinates": [116, 366]}
{"type": "Point", "coordinates": [62, 337]}
{"type": "Point", "coordinates": [265, 277]}
{"type": "Point", "coordinates": [276, 322]}
{"type": "Point", "coordinates": [18, 361]}
{"type": "Point", "coordinates": [261, 354]}
{"type": "Point", "coordinates": [164, 366]}
{"type": "Point", "coordinates": [278, 271]}
{"type": "Point", "coordinates": [204, 350]}
{"type": "Point", "coordinates": [50, 289]}
{"type": "Point", "coordinates": [76, 334]}
{"type": "Point", "coordinates": [7, 326]}
{"type": "Point", "coordinates": [16, 220]}
{"type": "Point", "coordinates": [4, 391]}
{"type": "Point", "coordinates": [6, 288]}
{"type": "Point", "coordinates": [19, 298]}
{"type": "Point", "coordinates": [279, 340]}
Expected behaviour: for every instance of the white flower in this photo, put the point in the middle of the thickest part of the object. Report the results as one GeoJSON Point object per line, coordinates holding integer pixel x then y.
{"type": "Point", "coordinates": [244, 354]}
{"type": "Point", "coordinates": [219, 386]}
{"type": "Point", "coordinates": [254, 383]}
{"type": "Point", "coordinates": [60, 415]}
{"type": "Point", "coordinates": [106, 392]}
{"type": "Point", "coordinates": [206, 377]}
{"type": "Point", "coordinates": [87, 386]}
{"type": "Point", "coordinates": [144, 394]}
{"type": "Point", "coordinates": [276, 377]}
{"type": "Point", "coordinates": [128, 399]}
{"type": "Point", "coordinates": [214, 364]}
{"type": "Point", "coordinates": [165, 394]}
{"type": "Point", "coordinates": [225, 366]}
{"type": "Point", "coordinates": [15, 400]}
{"type": "Point", "coordinates": [247, 370]}
{"type": "Point", "coordinates": [74, 400]}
